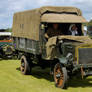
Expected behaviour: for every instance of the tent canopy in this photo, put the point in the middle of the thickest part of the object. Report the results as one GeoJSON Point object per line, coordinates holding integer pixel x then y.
{"type": "Point", "coordinates": [5, 33]}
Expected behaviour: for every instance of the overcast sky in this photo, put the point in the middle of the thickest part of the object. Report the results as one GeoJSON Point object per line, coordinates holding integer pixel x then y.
{"type": "Point", "coordinates": [9, 7]}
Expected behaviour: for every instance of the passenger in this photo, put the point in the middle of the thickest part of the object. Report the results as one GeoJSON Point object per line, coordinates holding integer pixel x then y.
{"type": "Point", "coordinates": [53, 31]}
{"type": "Point", "coordinates": [73, 30]}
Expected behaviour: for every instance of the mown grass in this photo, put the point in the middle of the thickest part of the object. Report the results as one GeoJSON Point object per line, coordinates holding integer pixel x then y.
{"type": "Point", "coordinates": [11, 80]}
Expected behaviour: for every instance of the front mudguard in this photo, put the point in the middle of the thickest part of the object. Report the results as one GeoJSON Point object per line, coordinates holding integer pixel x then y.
{"type": "Point", "coordinates": [63, 61]}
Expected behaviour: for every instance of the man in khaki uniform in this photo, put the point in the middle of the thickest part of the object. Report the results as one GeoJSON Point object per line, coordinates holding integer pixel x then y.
{"type": "Point", "coordinates": [53, 31]}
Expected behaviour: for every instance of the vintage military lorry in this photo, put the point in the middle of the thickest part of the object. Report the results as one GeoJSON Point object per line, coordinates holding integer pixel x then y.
{"type": "Point", "coordinates": [6, 46]}
{"type": "Point", "coordinates": [64, 54]}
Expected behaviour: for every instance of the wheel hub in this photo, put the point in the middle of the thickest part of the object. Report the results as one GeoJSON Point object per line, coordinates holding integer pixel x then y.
{"type": "Point", "coordinates": [58, 75]}
{"type": "Point", "coordinates": [22, 65]}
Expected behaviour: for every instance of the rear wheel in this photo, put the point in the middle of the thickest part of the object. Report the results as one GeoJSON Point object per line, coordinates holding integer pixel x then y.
{"type": "Point", "coordinates": [25, 65]}
{"type": "Point", "coordinates": [60, 76]}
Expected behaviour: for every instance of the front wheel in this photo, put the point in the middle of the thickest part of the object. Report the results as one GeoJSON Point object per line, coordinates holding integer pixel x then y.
{"type": "Point", "coordinates": [60, 76]}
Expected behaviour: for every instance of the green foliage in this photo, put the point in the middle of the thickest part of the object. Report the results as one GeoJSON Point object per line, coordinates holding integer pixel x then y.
{"type": "Point", "coordinates": [89, 23]}
{"type": "Point", "coordinates": [8, 30]}
{"type": "Point", "coordinates": [11, 80]}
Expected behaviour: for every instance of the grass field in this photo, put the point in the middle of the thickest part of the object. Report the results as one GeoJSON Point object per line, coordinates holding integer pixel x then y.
{"type": "Point", "coordinates": [11, 80]}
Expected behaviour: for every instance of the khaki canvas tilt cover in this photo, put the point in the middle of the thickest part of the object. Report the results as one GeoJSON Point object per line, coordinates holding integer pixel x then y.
{"type": "Point", "coordinates": [62, 18]}
{"type": "Point", "coordinates": [27, 24]}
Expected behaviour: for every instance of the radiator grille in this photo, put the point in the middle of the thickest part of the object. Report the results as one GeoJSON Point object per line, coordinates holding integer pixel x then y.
{"type": "Point", "coordinates": [85, 55]}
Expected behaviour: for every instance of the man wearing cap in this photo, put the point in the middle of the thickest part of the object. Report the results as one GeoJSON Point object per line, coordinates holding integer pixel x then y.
{"type": "Point", "coordinates": [73, 30]}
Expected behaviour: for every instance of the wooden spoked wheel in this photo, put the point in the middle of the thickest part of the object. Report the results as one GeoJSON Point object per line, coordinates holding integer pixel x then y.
{"type": "Point", "coordinates": [60, 76]}
{"type": "Point", "coordinates": [25, 65]}
{"type": "Point", "coordinates": [22, 67]}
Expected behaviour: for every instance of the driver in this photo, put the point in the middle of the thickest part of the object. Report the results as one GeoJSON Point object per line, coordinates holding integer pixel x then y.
{"type": "Point", "coordinates": [53, 31]}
